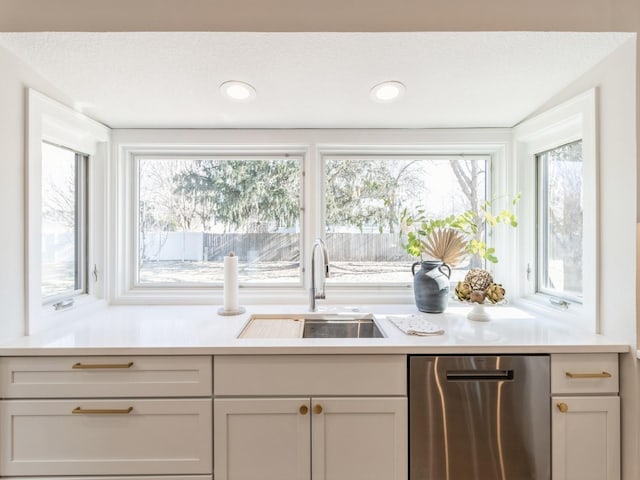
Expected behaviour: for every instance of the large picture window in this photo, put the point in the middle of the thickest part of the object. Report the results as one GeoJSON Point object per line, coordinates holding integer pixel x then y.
{"type": "Point", "coordinates": [191, 212]}
{"type": "Point", "coordinates": [364, 200]}
{"type": "Point", "coordinates": [186, 199]}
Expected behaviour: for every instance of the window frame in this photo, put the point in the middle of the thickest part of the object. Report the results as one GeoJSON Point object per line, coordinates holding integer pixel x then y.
{"type": "Point", "coordinates": [53, 122]}
{"type": "Point", "coordinates": [575, 119]}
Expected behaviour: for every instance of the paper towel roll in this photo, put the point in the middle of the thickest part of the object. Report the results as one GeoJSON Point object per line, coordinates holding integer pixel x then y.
{"type": "Point", "coordinates": [231, 282]}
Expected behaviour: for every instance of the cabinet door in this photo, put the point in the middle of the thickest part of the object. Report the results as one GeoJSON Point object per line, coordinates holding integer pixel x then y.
{"type": "Point", "coordinates": [264, 438]}
{"type": "Point", "coordinates": [585, 438]}
{"type": "Point", "coordinates": [359, 438]}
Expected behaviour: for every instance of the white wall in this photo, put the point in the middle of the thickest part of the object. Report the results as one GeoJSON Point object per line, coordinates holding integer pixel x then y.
{"type": "Point", "coordinates": [15, 76]}
{"type": "Point", "coordinates": [615, 79]}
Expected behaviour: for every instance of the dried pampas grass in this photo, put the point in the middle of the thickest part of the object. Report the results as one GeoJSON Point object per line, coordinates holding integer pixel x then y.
{"type": "Point", "coordinates": [447, 245]}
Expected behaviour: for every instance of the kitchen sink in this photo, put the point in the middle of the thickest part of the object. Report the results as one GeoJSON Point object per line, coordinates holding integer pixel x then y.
{"type": "Point", "coordinates": [341, 328]}
{"type": "Point", "coordinates": [312, 325]}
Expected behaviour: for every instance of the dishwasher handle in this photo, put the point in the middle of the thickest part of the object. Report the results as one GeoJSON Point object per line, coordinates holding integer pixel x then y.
{"type": "Point", "coordinates": [478, 375]}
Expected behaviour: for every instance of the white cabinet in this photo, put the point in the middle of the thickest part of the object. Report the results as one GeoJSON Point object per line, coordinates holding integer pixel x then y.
{"type": "Point", "coordinates": [266, 438]}
{"type": "Point", "coordinates": [359, 438]}
{"type": "Point", "coordinates": [105, 437]}
{"type": "Point", "coordinates": [585, 420]}
{"type": "Point", "coordinates": [586, 438]}
{"type": "Point", "coordinates": [94, 416]}
{"type": "Point", "coordinates": [318, 435]}
{"type": "Point", "coordinates": [105, 376]}
{"type": "Point", "coordinates": [303, 438]}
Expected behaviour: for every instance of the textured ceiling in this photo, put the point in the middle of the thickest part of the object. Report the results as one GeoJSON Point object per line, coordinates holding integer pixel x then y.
{"type": "Point", "coordinates": [310, 80]}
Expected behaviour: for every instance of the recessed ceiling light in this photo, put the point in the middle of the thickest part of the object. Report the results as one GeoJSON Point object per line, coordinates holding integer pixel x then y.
{"type": "Point", "coordinates": [387, 91]}
{"type": "Point", "coordinates": [238, 91]}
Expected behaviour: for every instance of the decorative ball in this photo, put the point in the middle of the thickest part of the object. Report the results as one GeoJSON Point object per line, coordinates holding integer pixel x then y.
{"type": "Point", "coordinates": [478, 278]}
{"type": "Point", "coordinates": [477, 296]}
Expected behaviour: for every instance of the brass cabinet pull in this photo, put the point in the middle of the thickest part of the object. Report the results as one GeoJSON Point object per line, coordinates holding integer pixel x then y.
{"type": "Point", "coordinates": [317, 409]}
{"type": "Point", "coordinates": [563, 407]}
{"type": "Point", "coordinates": [588, 375]}
{"type": "Point", "coordinates": [304, 409]}
{"type": "Point", "coordinates": [89, 366]}
{"type": "Point", "coordinates": [102, 411]}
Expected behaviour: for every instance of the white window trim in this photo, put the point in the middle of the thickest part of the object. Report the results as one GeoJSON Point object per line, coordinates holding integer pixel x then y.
{"type": "Point", "coordinates": [565, 123]}
{"type": "Point", "coordinates": [311, 145]}
{"type": "Point", "coordinates": [125, 288]}
{"type": "Point", "coordinates": [48, 120]}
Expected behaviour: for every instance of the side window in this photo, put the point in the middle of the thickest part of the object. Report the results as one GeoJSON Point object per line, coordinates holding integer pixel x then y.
{"type": "Point", "coordinates": [560, 221]}
{"type": "Point", "coordinates": [557, 170]}
{"type": "Point", "coordinates": [64, 223]}
{"type": "Point", "coordinates": [67, 155]}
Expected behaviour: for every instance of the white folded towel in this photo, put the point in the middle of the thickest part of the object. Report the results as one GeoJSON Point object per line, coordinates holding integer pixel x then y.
{"type": "Point", "coordinates": [413, 324]}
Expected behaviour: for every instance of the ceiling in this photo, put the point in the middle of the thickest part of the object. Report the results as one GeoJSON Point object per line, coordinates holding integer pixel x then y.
{"type": "Point", "coordinates": [310, 80]}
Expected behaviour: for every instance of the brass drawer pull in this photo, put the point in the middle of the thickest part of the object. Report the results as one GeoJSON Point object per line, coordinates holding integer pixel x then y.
{"type": "Point", "coordinates": [304, 409]}
{"type": "Point", "coordinates": [563, 407]}
{"type": "Point", "coordinates": [89, 366]}
{"type": "Point", "coordinates": [317, 409]}
{"type": "Point", "coordinates": [588, 375]}
{"type": "Point", "coordinates": [103, 411]}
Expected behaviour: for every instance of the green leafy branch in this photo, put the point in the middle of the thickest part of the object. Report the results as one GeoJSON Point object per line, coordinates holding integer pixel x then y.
{"type": "Point", "coordinates": [418, 228]}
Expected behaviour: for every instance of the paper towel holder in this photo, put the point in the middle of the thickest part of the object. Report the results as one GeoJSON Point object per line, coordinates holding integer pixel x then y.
{"type": "Point", "coordinates": [230, 305]}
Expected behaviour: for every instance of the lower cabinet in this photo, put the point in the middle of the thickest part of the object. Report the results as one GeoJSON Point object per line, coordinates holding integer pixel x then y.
{"type": "Point", "coordinates": [102, 417]}
{"type": "Point", "coordinates": [586, 438]}
{"type": "Point", "coordinates": [275, 417]}
{"type": "Point", "coordinates": [585, 418]}
{"type": "Point", "coordinates": [105, 437]}
{"type": "Point", "coordinates": [355, 438]}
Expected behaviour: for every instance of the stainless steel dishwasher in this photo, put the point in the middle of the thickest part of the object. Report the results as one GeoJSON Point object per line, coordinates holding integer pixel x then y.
{"type": "Point", "coordinates": [479, 418]}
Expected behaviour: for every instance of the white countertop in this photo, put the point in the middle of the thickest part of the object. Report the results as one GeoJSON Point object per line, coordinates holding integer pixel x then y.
{"type": "Point", "coordinates": [186, 330]}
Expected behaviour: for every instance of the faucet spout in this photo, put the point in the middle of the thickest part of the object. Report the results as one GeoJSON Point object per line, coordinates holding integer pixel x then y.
{"type": "Point", "coordinates": [313, 291]}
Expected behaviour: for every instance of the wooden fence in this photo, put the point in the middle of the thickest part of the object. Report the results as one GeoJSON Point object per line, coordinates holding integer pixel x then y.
{"type": "Point", "coordinates": [271, 247]}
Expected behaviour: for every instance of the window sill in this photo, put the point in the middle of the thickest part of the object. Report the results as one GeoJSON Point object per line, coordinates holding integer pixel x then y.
{"type": "Point", "coordinates": [49, 317]}
{"type": "Point", "coordinates": [574, 315]}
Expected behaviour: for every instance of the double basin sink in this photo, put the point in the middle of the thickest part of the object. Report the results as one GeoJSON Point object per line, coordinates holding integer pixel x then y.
{"type": "Point", "coordinates": [312, 325]}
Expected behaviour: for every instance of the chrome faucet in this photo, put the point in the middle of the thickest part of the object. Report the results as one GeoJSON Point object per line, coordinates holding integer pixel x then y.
{"type": "Point", "coordinates": [313, 294]}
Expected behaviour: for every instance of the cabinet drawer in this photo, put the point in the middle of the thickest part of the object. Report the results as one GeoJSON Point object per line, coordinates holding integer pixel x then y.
{"type": "Point", "coordinates": [105, 376]}
{"type": "Point", "coordinates": [45, 437]}
{"type": "Point", "coordinates": [265, 375]}
{"type": "Point", "coordinates": [584, 373]}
